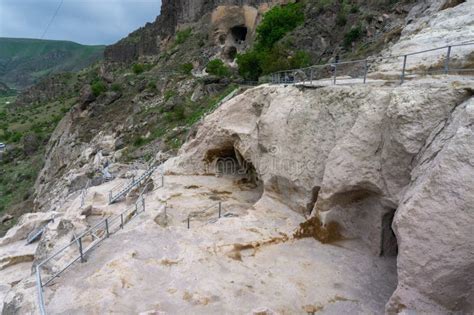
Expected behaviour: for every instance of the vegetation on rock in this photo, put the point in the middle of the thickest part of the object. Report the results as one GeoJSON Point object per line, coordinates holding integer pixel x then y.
{"type": "Point", "coordinates": [267, 55]}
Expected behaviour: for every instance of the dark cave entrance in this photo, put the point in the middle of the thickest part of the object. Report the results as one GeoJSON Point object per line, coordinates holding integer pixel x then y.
{"type": "Point", "coordinates": [227, 161]}
{"type": "Point", "coordinates": [239, 33]}
{"type": "Point", "coordinates": [389, 245]}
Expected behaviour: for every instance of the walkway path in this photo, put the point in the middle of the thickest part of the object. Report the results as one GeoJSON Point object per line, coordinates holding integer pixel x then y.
{"type": "Point", "coordinates": [211, 269]}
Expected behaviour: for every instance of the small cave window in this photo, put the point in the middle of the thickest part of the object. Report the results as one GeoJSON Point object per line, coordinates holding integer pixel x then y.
{"type": "Point", "coordinates": [389, 240]}
{"type": "Point", "coordinates": [239, 33]}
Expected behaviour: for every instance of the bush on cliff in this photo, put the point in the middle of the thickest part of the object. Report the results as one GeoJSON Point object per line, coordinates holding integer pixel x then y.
{"type": "Point", "coordinates": [267, 56]}
{"type": "Point", "coordinates": [218, 68]}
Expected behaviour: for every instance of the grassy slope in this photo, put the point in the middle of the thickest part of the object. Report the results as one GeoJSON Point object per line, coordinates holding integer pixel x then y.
{"type": "Point", "coordinates": [18, 170]}
{"type": "Point", "coordinates": [25, 61]}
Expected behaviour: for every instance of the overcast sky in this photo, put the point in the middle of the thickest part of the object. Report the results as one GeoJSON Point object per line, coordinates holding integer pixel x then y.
{"type": "Point", "coordinates": [82, 21]}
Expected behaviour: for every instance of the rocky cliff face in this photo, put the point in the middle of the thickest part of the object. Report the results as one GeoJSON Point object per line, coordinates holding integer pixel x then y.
{"type": "Point", "coordinates": [377, 170]}
{"type": "Point", "coordinates": [363, 155]}
{"type": "Point", "coordinates": [174, 14]}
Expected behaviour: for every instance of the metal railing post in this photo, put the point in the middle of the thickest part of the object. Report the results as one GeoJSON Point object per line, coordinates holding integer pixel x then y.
{"type": "Point", "coordinates": [404, 69]}
{"type": "Point", "coordinates": [220, 209]}
{"type": "Point", "coordinates": [188, 223]}
{"type": "Point", "coordinates": [446, 64]}
{"type": "Point", "coordinates": [121, 220]}
{"type": "Point", "coordinates": [366, 69]}
{"type": "Point", "coordinates": [143, 204]}
{"type": "Point", "coordinates": [80, 250]}
{"type": "Point", "coordinates": [335, 73]}
{"type": "Point", "coordinates": [107, 227]}
{"type": "Point", "coordinates": [39, 287]}
{"type": "Point", "coordinates": [162, 180]}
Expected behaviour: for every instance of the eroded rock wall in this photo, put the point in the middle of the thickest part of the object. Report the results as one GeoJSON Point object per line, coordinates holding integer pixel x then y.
{"type": "Point", "coordinates": [147, 40]}
{"type": "Point", "coordinates": [357, 156]}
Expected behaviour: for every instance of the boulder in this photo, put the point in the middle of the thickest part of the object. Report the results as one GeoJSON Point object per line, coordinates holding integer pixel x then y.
{"type": "Point", "coordinates": [86, 96]}
{"type": "Point", "coordinates": [434, 222]}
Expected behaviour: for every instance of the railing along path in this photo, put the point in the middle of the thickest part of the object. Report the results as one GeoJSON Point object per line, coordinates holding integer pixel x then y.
{"type": "Point", "coordinates": [357, 71]}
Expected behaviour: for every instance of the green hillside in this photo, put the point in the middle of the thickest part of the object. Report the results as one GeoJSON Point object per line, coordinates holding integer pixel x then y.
{"type": "Point", "coordinates": [24, 61]}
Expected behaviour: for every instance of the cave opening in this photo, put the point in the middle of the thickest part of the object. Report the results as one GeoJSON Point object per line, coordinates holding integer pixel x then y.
{"type": "Point", "coordinates": [239, 33]}
{"type": "Point", "coordinates": [389, 246]}
{"type": "Point", "coordinates": [228, 161]}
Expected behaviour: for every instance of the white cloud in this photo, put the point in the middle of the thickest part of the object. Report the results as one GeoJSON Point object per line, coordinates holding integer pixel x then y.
{"type": "Point", "coordinates": [83, 21]}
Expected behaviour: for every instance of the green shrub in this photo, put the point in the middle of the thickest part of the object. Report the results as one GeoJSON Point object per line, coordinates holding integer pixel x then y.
{"type": "Point", "coordinates": [264, 59]}
{"type": "Point", "coordinates": [151, 85]}
{"type": "Point", "coordinates": [138, 141]}
{"type": "Point", "coordinates": [116, 87]}
{"type": "Point", "coordinates": [353, 35]}
{"type": "Point", "coordinates": [15, 137]}
{"type": "Point", "coordinates": [183, 36]}
{"type": "Point", "coordinates": [278, 59]}
{"type": "Point", "coordinates": [98, 87]}
{"type": "Point", "coordinates": [354, 8]}
{"type": "Point", "coordinates": [138, 68]}
{"type": "Point", "coordinates": [249, 65]}
{"type": "Point", "coordinates": [187, 68]}
{"type": "Point", "coordinates": [277, 23]}
{"type": "Point", "coordinates": [218, 68]}
{"type": "Point", "coordinates": [169, 94]}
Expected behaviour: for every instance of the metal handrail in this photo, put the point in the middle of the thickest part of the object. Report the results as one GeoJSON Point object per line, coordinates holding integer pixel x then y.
{"type": "Point", "coordinates": [107, 223]}
{"type": "Point", "coordinates": [289, 75]}
{"type": "Point", "coordinates": [219, 205]}
{"type": "Point", "coordinates": [129, 186]}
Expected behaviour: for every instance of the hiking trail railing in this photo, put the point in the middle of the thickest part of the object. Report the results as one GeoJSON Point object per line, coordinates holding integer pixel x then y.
{"type": "Point", "coordinates": [217, 206]}
{"type": "Point", "coordinates": [79, 248]}
{"type": "Point", "coordinates": [121, 190]}
{"type": "Point", "coordinates": [357, 71]}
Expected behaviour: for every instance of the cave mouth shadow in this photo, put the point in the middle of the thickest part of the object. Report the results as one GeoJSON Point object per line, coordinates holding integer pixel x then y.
{"type": "Point", "coordinates": [389, 243]}
{"type": "Point", "coordinates": [239, 33]}
{"type": "Point", "coordinates": [229, 162]}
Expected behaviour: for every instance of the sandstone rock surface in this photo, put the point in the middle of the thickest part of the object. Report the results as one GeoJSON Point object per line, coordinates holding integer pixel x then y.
{"type": "Point", "coordinates": [363, 155]}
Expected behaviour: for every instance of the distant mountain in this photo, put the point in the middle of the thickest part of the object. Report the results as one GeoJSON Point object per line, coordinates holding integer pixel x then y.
{"type": "Point", "coordinates": [24, 62]}
{"type": "Point", "coordinates": [5, 90]}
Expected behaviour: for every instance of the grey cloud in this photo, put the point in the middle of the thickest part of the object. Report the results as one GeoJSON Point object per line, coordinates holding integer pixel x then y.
{"type": "Point", "coordinates": [83, 21]}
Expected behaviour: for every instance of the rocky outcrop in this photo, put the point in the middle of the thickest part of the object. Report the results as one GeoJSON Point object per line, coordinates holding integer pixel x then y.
{"type": "Point", "coordinates": [364, 155]}
{"type": "Point", "coordinates": [147, 40]}
{"type": "Point", "coordinates": [433, 24]}
{"type": "Point", "coordinates": [434, 221]}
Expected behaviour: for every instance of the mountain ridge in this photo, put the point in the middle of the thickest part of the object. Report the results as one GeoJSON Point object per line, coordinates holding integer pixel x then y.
{"type": "Point", "coordinates": [24, 61]}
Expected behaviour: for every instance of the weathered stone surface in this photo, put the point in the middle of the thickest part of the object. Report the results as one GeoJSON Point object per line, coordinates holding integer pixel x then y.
{"type": "Point", "coordinates": [357, 158]}
{"type": "Point", "coordinates": [433, 24]}
{"type": "Point", "coordinates": [434, 223]}
{"type": "Point", "coordinates": [27, 224]}
{"type": "Point", "coordinates": [86, 96]}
